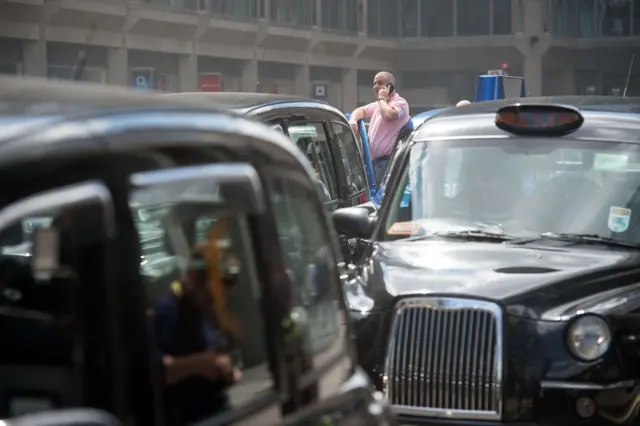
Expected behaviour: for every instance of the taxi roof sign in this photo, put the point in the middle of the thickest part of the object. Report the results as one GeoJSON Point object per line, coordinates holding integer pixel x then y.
{"type": "Point", "coordinates": [542, 120]}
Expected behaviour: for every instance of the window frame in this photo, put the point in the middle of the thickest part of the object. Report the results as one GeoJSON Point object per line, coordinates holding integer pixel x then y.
{"type": "Point", "coordinates": [60, 197]}
{"type": "Point", "coordinates": [341, 150]}
{"type": "Point", "coordinates": [317, 371]}
{"type": "Point", "coordinates": [257, 225]}
{"type": "Point", "coordinates": [337, 198]}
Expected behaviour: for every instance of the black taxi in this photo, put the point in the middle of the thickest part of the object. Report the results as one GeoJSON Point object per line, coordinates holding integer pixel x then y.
{"type": "Point", "coordinates": [166, 264]}
{"type": "Point", "coordinates": [502, 283]}
{"type": "Point", "coordinates": [319, 130]}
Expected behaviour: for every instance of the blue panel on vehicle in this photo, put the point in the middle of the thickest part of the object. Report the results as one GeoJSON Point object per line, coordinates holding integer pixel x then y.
{"type": "Point", "coordinates": [494, 87]}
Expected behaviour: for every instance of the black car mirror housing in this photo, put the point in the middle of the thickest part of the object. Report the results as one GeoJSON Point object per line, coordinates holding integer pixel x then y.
{"type": "Point", "coordinates": [354, 222]}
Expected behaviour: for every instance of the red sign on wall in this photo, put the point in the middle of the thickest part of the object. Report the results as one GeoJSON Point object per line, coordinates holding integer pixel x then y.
{"type": "Point", "coordinates": [210, 82]}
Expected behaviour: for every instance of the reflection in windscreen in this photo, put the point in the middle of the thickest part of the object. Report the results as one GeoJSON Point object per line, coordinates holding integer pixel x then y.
{"type": "Point", "coordinates": [150, 208]}
{"type": "Point", "coordinates": [29, 225]}
{"type": "Point", "coordinates": [521, 187]}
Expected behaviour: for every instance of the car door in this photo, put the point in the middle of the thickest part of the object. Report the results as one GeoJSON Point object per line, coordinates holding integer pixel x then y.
{"type": "Point", "coordinates": [208, 293]}
{"type": "Point", "coordinates": [327, 386]}
{"type": "Point", "coordinates": [54, 281]}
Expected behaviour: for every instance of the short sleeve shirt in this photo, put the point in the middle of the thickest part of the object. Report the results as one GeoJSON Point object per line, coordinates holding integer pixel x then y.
{"type": "Point", "coordinates": [382, 133]}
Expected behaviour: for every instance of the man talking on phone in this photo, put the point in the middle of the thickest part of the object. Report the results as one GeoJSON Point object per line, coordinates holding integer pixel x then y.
{"type": "Point", "coordinates": [387, 116]}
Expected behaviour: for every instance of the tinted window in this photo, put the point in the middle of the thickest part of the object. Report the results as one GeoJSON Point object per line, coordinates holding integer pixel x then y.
{"type": "Point", "coordinates": [204, 302]}
{"type": "Point", "coordinates": [353, 167]}
{"type": "Point", "coordinates": [311, 139]}
{"type": "Point", "coordinates": [308, 254]}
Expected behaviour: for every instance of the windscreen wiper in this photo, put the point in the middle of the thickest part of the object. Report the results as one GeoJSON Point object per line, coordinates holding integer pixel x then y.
{"type": "Point", "coordinates": [589, 239]}
{"type": "Point", "coordinates": [474, 235]}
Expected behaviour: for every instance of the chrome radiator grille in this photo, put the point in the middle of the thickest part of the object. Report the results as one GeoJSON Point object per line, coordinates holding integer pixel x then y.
{"type": "Point", "coordinates": [445, 358]}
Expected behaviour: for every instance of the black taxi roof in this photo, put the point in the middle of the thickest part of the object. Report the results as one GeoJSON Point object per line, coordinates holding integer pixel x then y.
{"type": "Point", "coordinates": [36, 97]}
{"type": "Point", "coordinates": [38, 117]}
{"type": "Point", "coordinates": [239, 100]}
{"type": "Point", "coordinates": [607, 118]}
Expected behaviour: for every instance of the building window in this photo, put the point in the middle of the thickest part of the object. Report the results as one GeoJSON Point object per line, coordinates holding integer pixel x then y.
{"type": "Point", "coordinates": [243, 9]}
{"type": "Point", "coordinates": [501, 17]}
{"type": "Point", "coordinates": [614, 18]}
{"type": "Point", "coordinates": [341, 15]}
{"type": "Point", "coordinates": [586, 18]}
{"type": "Point", "coordinates": [11, 68]}
{"type": "Point", "coordinates": [636, 17]}
{"type": "Point", "coordinates": [176, 4]}
{"type": "Point", "coordinates": [409, 18]}
{"type": "Point", "coordinates": [390, 18]}
{"type": "Point", "coordinates": [373, 17]}
{"type": "Point", "coordinates": [297, 13]}
{"type": "Point", "coordinates": [591, 18]}
{"type": "Point", "coordinates": [473, 17]}
{"type": "Point", "coordinates": [436, 18]}
{"type": "Point", "coordinates": [65, 72]}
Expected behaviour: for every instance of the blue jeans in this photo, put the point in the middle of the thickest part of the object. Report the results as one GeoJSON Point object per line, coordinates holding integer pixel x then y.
{"type": "Point", "coordinates": [379, 169]}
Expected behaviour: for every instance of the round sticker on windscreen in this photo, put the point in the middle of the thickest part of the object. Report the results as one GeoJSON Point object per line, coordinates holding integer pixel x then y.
{"type": "Point", "coordinates": [619, 218]}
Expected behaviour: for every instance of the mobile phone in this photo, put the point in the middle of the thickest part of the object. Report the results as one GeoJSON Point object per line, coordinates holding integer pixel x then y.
{"type": "Point", "coordinates": [391, 88]}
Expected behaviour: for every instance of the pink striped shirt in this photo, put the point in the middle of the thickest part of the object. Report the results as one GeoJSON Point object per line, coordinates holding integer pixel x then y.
{"type": "Point", "coordinates": [382, 133]}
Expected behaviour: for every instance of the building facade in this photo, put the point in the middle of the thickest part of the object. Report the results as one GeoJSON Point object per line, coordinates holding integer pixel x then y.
{"type": "Point", "coordinates": [329, 49]}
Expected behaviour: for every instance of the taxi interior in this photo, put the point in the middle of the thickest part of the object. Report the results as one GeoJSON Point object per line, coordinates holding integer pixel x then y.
{"type": "Point", "coordinates": [578, 177]}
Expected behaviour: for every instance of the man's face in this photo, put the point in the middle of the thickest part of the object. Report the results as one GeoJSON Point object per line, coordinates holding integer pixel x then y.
{"type": "Point", "coordinates": [380, 81]}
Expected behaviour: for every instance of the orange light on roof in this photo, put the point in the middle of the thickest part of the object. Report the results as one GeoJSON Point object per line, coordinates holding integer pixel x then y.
{"type": "Point", "coordinates": [539, 119]}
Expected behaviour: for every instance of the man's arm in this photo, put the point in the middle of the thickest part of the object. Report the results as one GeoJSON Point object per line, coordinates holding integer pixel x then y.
{"type": "Point", "coordinates": [362, 112]}
{"type": "Point", "coordinates": [394, 109]}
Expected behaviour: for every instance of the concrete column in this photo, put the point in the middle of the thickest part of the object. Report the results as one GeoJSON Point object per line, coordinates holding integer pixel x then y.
{"type": "Point", "coordinates": [364, 14]}
{"type": "Point", "coordinates": [34, 58]}
{"type": "Point", "coordinates": [349, 89]}
{"type": "Point", "coordinates": [249, 80]}
{"type": "Point", "coordinates": [302, 82]}
{"type": "Point", "coordinates": [188, 73]}
{"type": "Point", "coordinates": [117, 66]}
{"type": "Point", "coordinates": [533, 43]}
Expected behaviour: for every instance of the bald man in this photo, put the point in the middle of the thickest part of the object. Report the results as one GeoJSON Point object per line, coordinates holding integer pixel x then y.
{"type": "Point", "coordinates": [463, 103]}
{"type": "Point", "coordinates": [388, 114]}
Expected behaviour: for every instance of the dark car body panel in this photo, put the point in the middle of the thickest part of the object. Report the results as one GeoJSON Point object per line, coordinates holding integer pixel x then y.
{"type": "Point", "coordinates": [539, 286]}
{"type": "Point", "coordinates": [62, 134]}
{"type": "Point", "coordinates": [282, 109]}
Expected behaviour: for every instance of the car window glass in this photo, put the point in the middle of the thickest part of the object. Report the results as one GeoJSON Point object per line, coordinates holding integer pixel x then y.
{"type": "Point", "coordinates": [353, 167]}
{"type": "Point", "coordinates": [503, 184]}
{"type": "Point", "coordinates": [308, 255]}
{"type": "Point", "coordinates": [43, 346]}
{"type": "Point", "coordinates": [311, 139]}
{"type": "Point", "coordinates": [204, 302]}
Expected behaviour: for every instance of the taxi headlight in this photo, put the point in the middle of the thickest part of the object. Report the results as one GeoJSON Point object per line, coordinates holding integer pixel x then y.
{"type": "Point", "coordinates": [589, 337]}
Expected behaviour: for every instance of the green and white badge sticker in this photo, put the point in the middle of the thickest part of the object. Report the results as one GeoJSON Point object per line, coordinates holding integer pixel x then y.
{"type": "Point", "coordinates": [619, 219]}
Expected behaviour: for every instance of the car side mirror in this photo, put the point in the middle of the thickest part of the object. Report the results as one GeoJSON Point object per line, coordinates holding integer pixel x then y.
{"type": "Point", "coordinates": [70, 417]}
{"type": "Point", "coordinates": [354, 222]}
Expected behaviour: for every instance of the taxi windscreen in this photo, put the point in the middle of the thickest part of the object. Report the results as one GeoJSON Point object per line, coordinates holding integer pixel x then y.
{"type": "Point", "coordinates": [521, 187]}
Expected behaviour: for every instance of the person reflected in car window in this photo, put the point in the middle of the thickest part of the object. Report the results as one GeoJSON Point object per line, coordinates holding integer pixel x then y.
{"type": "Point", "coordinates": [193, 345]}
